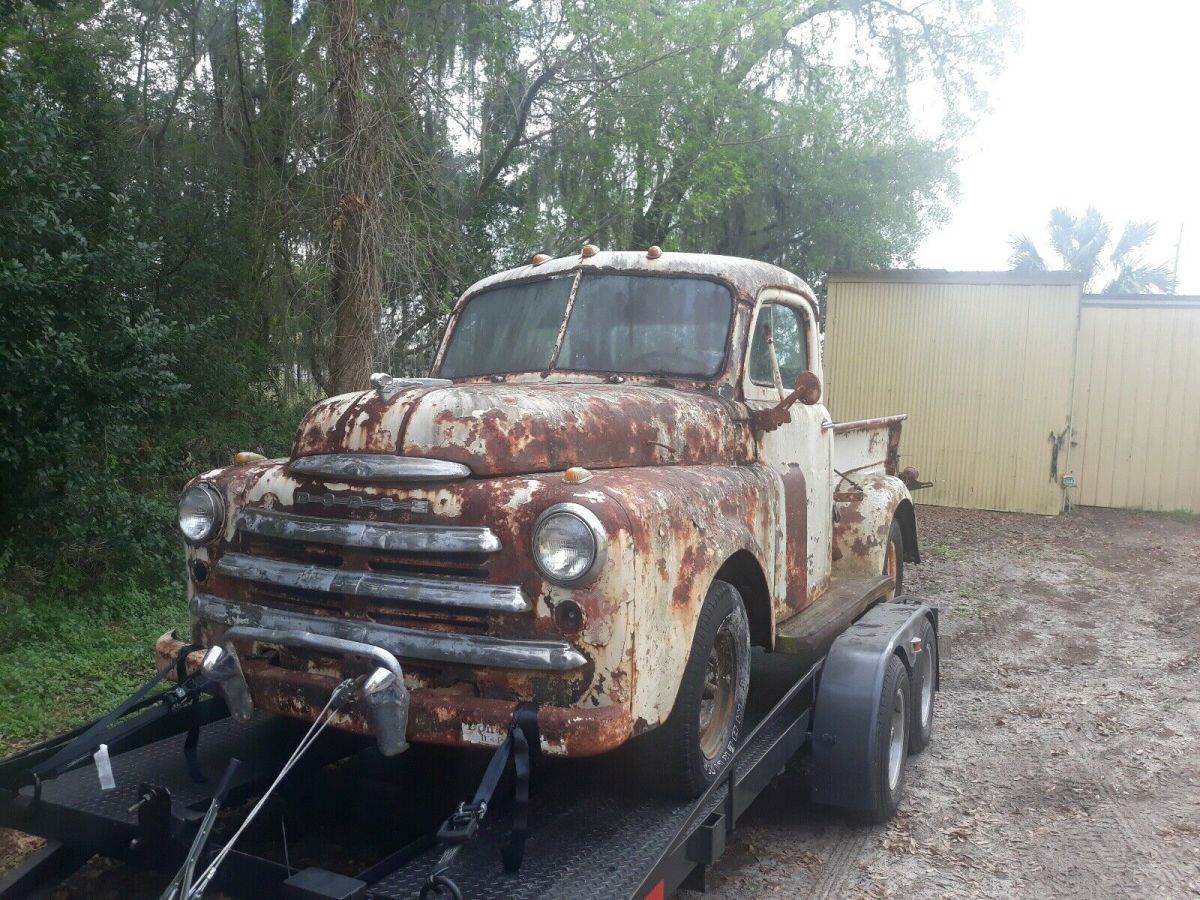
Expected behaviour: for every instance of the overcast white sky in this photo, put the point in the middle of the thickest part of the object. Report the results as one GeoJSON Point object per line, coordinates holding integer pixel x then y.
{"type": "Point", "coordinates": [1099, 105]}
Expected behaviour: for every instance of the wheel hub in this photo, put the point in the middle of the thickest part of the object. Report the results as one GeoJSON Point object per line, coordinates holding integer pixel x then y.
{"type": "Point", "coordinates": [898, 741]}
{"type": "Point", "coordinates": [719, 693]}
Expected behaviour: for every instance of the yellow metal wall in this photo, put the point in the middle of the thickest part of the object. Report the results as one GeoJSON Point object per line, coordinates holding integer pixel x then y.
{"type": "Point", "coordinates": [983, 366]}
{"type": "Point", "coordinates": [1137, 405]}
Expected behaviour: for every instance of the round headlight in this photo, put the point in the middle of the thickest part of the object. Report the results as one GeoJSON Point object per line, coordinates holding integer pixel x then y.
{"type": "Point", "coordinates": [200, 512]}
{"type": "Point", "coordinates": [568, 543]}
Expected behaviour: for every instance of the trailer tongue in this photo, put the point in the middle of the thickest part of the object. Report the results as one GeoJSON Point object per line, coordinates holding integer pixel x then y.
{"type": "Point", "coordinates": [590, 831]}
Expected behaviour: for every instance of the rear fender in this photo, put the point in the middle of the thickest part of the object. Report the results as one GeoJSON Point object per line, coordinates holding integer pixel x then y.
{"type": "Point", "coordinates": [865, 509]}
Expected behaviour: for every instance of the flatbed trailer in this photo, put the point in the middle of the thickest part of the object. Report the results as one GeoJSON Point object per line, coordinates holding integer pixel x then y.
{"type": "Point", "coordinates": [592, 830]}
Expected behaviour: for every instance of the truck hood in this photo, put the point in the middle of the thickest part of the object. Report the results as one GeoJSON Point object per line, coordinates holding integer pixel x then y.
{"type": "Point", "coordinates": [523, 428]}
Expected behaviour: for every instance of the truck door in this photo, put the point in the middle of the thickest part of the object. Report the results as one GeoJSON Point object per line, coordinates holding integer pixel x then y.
{"type": "Point", "coordinates": [784, 343]}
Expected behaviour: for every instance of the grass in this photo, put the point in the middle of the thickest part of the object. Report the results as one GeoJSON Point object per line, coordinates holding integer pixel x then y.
{"type": "Point", "coordinates": [978, 603]}
{"type": "Point", "coordinates": [65, 659]}
{"type": "Point", "coordinates": [940, 551]}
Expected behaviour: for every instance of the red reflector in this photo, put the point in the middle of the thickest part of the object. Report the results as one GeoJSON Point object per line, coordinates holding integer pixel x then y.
{"type": "Point", "coordinates": [658, 892]}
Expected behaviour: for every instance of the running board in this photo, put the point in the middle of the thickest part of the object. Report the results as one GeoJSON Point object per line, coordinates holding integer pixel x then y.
{"type": "Point", "coordinates": [811, 632]}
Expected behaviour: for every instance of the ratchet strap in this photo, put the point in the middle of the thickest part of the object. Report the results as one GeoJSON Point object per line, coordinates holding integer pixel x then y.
{"type": "Point", "coordinates": [84, 742]}
{"type": "Point", "coordinates": [522, 743]}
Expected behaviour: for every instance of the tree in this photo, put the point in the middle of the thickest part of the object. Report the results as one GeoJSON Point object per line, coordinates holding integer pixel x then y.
{"type": "Point", "coordinates": [1079, 243]}
{"type": "Point", "coordinates": [355, 228]}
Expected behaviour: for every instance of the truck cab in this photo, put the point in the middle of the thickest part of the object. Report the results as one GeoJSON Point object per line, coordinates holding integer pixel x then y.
{"type": "Point", "coordinates": [618, 477]}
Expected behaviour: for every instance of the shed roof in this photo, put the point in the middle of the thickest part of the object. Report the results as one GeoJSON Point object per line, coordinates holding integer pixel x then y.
{"type": "Point", "coordinates": [946, 276]}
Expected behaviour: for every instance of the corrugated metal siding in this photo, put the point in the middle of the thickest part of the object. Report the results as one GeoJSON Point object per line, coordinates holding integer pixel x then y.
{"type": "Point", "coordinates": [984, 372]}
{"type": "Point", "coordinates": [1137, 406]}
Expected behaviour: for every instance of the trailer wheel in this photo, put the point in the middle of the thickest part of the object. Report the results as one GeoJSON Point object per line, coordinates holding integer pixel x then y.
{"type": "Point", "coordinates": [888, 756]}
{"type": "Point", "coordinates": [924, 680]}
{"type": "Point", "coordinates": [687, 751]}
{"type": "Point", "coordinates": [893, 559]}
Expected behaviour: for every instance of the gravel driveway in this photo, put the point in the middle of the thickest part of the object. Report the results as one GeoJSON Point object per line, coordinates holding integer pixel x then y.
{"type": "Point", "coordinates": [1066, 752]}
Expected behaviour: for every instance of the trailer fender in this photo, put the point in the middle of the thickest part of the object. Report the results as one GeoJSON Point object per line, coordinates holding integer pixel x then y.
{"type": "Point", "coordinates": [844, 717]}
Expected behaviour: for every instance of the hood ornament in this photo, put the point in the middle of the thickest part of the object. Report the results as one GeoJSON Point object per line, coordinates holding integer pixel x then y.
{"type": "Point", "coordinates": [384, 384]}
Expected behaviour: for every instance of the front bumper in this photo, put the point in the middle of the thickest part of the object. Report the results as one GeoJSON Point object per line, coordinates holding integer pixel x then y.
{"type": "Point", "coordinates": [447, 716]}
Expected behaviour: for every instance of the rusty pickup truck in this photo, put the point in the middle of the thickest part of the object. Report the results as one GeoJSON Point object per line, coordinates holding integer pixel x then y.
{"type": "Point", "coordinates": [618, 479]}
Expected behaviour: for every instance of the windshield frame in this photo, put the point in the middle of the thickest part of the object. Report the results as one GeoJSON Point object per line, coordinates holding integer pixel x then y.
{"type": "Point", "coordinates": [576, 274]}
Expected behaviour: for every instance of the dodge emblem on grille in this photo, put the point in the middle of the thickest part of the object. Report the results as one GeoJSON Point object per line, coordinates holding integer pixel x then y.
{"type": "Point", "coordinates": [353, 501]}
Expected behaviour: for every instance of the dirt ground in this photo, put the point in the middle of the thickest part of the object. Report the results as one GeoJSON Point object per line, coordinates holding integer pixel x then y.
{"type": "Point", "coordinates": [1066, 753]}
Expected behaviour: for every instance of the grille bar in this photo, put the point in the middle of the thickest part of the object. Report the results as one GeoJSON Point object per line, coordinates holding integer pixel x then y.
{"type": "Point", "coordinates": [371, 535]}
{"type": "Point", "coordinates": [436, 592]}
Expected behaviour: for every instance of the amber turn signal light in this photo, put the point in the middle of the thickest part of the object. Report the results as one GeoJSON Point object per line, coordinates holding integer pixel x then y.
{"type": "Point", "coordinates": [538, 259]}
{"type": "Point", "coordinates": [589, 250]}
{"type": "Point", "coordinates": [245, 456]}
{"type": "Point", "coordinates": [576, 475]}
{"type": "Point", "coordinates": [654, 252]}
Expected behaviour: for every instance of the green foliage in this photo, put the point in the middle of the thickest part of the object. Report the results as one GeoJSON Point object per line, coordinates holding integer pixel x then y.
{"type": "Point", "coordinates": [66, 658]}
{"type": "Point", "coordinates": [126, 363]}
{"type": "Point", "coordinates": [87, 361]}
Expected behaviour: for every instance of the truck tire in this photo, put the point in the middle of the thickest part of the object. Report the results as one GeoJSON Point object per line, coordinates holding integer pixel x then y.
{"type": "Point", "coordinates": [889, 754]}
{"type": "Point", "coordinates": [924, 682]}
{"type": "Point", "coordinates": [893, 558]}
{"type": "Point", "coordinates": [684, 755]}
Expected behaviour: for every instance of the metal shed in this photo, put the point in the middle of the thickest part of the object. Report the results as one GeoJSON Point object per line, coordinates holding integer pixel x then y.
{"type": "Point", "coordinates": [982, 362]}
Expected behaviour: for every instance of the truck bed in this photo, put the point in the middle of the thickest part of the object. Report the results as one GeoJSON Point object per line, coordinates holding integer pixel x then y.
{"type": "Point", "coordinates": [867, 446]}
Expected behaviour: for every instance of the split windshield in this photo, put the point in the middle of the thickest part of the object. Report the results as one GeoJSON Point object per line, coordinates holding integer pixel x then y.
{"type": "Point", "coordinates": [641, 325]}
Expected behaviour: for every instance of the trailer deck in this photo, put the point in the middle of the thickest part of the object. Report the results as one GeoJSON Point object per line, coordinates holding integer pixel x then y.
{"type": "Point", "coordinates": [594, 831]}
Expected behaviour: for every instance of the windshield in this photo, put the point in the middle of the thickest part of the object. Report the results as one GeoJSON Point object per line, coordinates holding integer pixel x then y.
{"type": "Point", "coordinates": [638, 324]}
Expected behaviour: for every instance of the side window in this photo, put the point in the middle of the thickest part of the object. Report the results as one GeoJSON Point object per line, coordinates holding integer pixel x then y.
{"type": "Point", "coordinates": [783, 328]}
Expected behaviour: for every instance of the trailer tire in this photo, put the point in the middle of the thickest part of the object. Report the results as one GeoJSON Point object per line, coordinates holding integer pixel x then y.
{"type": "Point", "coordinates": [684, 755]}
{"type": "Point", "coordinates": [924, 690]}
{"type": "Point", "coordinates": [893, 558]}
{"type": "Point", "coordinates": [889, 754]}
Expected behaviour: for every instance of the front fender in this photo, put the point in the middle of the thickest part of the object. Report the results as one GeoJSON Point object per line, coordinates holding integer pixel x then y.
{"type": "Point", "coordinates": [686, 522]}
{"type": "Point", "coordinates": [865, 509]}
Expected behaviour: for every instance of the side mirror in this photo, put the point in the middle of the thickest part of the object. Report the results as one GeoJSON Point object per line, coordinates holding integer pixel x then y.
{"type": "Point", "coordinates": [806, 391]}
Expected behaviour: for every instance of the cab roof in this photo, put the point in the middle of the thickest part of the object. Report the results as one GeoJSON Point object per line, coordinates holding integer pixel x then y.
{"type": "Point", "coordinates": [747, 276]}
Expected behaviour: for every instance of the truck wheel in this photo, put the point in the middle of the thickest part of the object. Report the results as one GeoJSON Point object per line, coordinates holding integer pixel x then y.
{"type": "Point", "coordinates": [690, 748]}
{"type": "Point", "coordinates": [893, 559]}
{"type": "Point", "coordinates": [888, 756]}
{"type": "Point", "coordinates": [924, 678]}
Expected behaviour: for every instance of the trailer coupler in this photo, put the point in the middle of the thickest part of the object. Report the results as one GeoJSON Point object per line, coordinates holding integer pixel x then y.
{"type": "Point", "coordinates": [520, 747]}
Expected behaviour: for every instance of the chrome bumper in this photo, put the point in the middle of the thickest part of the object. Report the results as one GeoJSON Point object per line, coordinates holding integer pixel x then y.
{"type": "Point", "coordinates": [384, 693]}
{"type": "Point", "coordinates": [405, 643]}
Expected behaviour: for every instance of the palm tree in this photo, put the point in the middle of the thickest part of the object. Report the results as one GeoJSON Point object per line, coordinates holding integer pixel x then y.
{"type": "Point", "coordinates": [1080, 242]}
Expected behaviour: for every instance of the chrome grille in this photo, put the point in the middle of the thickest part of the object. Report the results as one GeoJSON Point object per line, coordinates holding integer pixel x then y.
{"type": "Point", "coordinates": [359, 567]}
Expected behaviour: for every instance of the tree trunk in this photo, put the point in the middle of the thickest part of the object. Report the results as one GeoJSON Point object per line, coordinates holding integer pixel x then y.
{"type": "Point", "coordinates": [354, 237]}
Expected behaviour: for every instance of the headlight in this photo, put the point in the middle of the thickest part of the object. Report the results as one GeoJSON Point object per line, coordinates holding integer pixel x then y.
{"type": "Point", "coordinates": [568, 543]}
{"type": "Point", "coordinates": [200, 513]}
